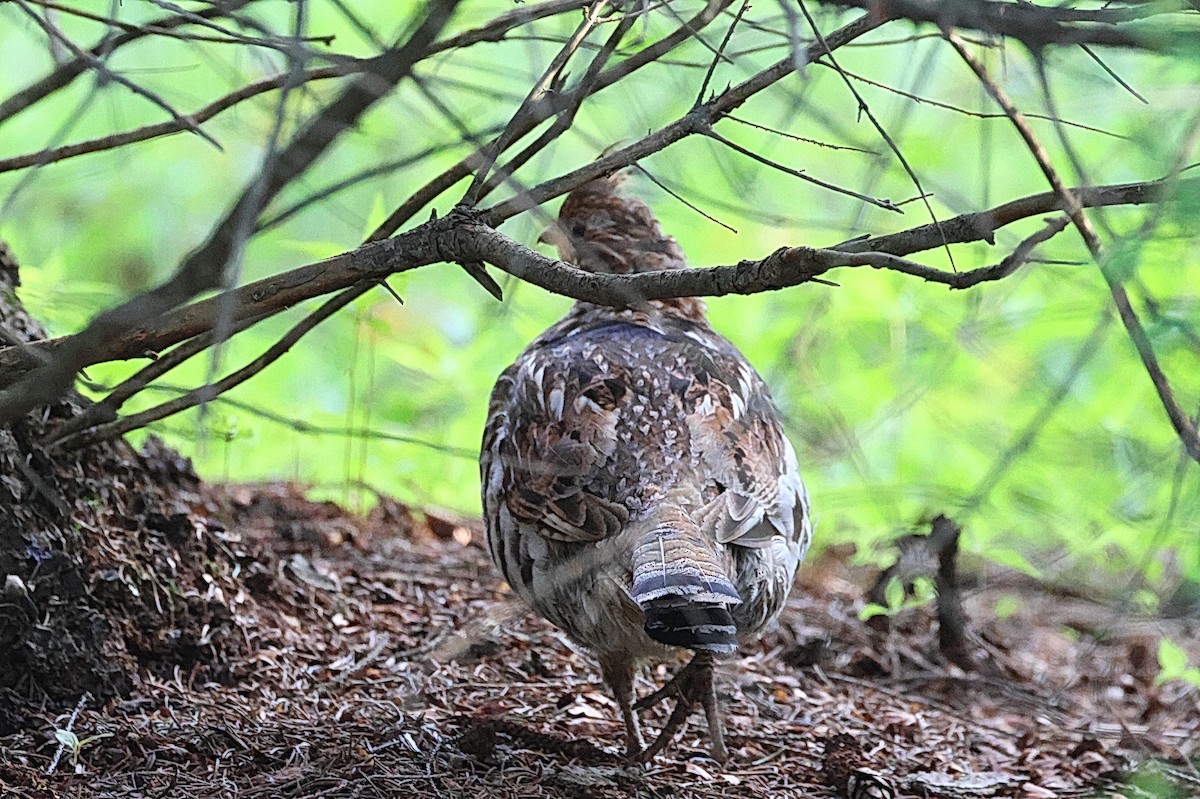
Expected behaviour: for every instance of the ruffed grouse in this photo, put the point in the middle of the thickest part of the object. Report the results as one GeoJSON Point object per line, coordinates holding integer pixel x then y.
{"type": "Point", "coordinates": [638, 489]}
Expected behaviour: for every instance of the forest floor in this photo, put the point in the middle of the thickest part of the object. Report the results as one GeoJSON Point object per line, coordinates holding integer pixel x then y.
{"type": "Point", "coordinates": [386, 659]}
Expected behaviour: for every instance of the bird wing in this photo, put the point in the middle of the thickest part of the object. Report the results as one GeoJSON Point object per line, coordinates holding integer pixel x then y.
{"type": "Point", "coordinates": [739, 445]}
{"type": "Point", "coordinates": [552, 430]}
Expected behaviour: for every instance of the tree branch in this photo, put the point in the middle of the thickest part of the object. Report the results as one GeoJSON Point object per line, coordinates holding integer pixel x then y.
{"type": "Point", "coordinates": [697, 120]}
{"type": "Point", "coordinates": [1035, 26]}
{"type": "Point", "coordinates": [491, 32]}
{"type": "Point", "coordinates": [1072, 205]}
{"type": "Point", "coordinates": [66, 72]}
{"type": "Point", "coordinates": [202, 270]}
{"type": "Point", "coordinates": [647, 55]}
{"type": "Point", "coordinates": [460, 236]}
{"type": "Point", "coordinates": [211, 391]}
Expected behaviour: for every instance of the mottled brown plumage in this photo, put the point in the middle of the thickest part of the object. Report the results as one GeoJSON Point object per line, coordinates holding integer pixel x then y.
{"type": "Point", "coordinates": [637, 486]}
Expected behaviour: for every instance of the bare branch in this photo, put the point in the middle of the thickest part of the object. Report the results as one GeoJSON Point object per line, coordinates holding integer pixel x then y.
{"type": "Point", "coordinates": [221, 35]}
{"type": "Point", "coordinates": [720, 54]}
{"type": "Point", "coordinates": [1183, 425]}
{"type": "Point", "coordinates": [147, 132]}
{"type": "Point", "coordinates": [982, 225]}
{"type": "Point", "coordinates": [461, 237]}
{"type": "Point", "coordinates": [203, 268]}
{"type": "Point", "coordinates": [66, 72]}
{"type": "Point", "coordinates": [107, 74]}
{"type": "Point", "coordinates": [211, 391]}
{"type": "Point", "coordinates": [647, 55]}
{"type": "Point", "coordinates": [886, 205]}
{"type": "Point", "coordinates": [106, 409]}
{"type": "Point", "coordinates": [1035, 26]}
{"type": "Point", "coordinates": [550, 81]}
{"type": "Point", "coordinates": [494, 30]}
{"type": "Point", "coordinates": [695, 121]}
{"type": "Point", "coordinates": [305, 427]}
{"type": "Point", "coordinates": [566, 117]}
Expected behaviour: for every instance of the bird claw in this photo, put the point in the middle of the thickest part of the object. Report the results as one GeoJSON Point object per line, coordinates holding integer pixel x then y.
{"type": "Point", "coordinates": [692, 685]}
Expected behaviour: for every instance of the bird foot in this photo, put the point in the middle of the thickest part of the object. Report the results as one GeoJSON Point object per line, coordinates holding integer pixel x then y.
{"type": "Point", "coordinates": [692, 685]}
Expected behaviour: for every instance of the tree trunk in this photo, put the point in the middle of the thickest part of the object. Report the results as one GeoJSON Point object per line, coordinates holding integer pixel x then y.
{"type": "Point", "coordinates": [110, 568]}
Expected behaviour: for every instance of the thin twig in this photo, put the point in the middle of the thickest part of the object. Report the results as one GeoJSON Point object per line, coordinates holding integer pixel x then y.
{"type": "Point", "coordinates": [804, 139]}
{"type": "Point", "coordinates": [350, 181]}
{"type": "Point", "coordinates": [210, 391]}
{"type": "Point", "coordinates": [866, 110]}
{"type": "Point", "coordinates": [712, 67]}
{"type": "Point", "coordinates": [886, 205]}
{"type": "Point", "coordinates": [1034, 25]}
{"type": "Point", "coordinates": [550, 81]}
{"type": "Point", "coordinates": [697, 120]}
{"type": "Point", "coordinates": [158, 129]}
{"type": "Point", "coordinates": [107, 74]}
{"type": "Point", "coordinates": [647, 55]}
{"type": "Point", "coordinates": [1183, 426]}
{"type": "Point", "coordinates": [682, 199]}
{"type": "Point", "coordinates": [106, 409]}
{"type": "Point", "coordinates": [62, 75]}
{"type": "Point", "coordinates": [224, 35]}
{"type": "Point", "coordinates": [83, 700]}
{"type": "Point", "coordinates": [241, 225]}
{"type": "Point", "coordinates": [916, 98]}
{"type": "Point", "coordinates": [203, 268]}
{"type": "Point", "coordinates": [565, 118]}
{"type": "Point", "coordinates": [1112, 74]}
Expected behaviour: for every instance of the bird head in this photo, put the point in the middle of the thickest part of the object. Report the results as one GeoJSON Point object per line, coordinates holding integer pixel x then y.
{"type": "Point", "coordinates": [601, 230]}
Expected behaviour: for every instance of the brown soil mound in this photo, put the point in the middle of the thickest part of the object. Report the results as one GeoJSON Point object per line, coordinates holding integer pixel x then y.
{"type": "Point", "coordinates": [108, 570]}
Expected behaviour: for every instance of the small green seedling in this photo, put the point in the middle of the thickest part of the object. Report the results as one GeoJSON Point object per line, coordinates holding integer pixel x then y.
{"type": "Point", "coordinates": [923, 592]}
{"type": "Point", "coordinates": [75, 744]}
{"type": "Point", "coordinates": [1173, 664]}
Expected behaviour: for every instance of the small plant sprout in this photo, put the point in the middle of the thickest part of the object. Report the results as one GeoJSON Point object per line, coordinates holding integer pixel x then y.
{"type": "Point", "coordinates": [894, 594]}
{"type": "Point", "coordinates": [67, 739]}
{"type": "Point", "coordinates": [74, 743]}
{"type": "Point", "coordinates": [1173, 664]}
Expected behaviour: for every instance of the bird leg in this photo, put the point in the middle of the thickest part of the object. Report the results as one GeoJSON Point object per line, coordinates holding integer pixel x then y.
{"type": "Point", "coordinates": [619, 676]}
{"type": "Point", "coordinates": [691, 685]}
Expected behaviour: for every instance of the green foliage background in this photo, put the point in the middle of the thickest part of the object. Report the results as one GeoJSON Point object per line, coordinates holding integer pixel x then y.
{"type": "Point", "coordinates": [900, 396]}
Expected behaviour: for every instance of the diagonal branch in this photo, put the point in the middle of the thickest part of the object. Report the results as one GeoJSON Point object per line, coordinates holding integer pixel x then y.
{"type": "Point", "coordinates": [170, 126]}
{"type": "Point", "coordinates": [550, 82]}
{"type": "Point", "coordinates": [565, 117]}
{"type": "Point", "coordinates": [885, 204]}
{"type": "Point", "coordinates": [697, 120]}
{"type": "Point", "coordinates": [68, 71]}
{"type": "Point", "coordinates": [492, 31]}
{"type": "Point", "coordinates": [203, 269]}
{"type": "Point", "coordinates": [107, 74]}
{"type": "Point", "coordinates": [647, 55]}
{"type": "Point", "coordinates": [210, 391]}
{"type": "Point", "coordinates": [1183, 425]}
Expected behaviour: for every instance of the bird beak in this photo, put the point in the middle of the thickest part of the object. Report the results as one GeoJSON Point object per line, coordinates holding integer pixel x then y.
{"type": "Point", "coordinates": [556, 237]}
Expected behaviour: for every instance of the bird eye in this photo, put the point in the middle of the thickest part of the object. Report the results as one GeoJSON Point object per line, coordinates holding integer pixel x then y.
{"type": "Point", "coordinates": [577, 229]}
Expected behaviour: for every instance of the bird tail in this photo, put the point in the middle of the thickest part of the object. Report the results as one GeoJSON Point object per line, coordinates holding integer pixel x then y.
{"type": "Point", "coordinates": [681, 586]}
